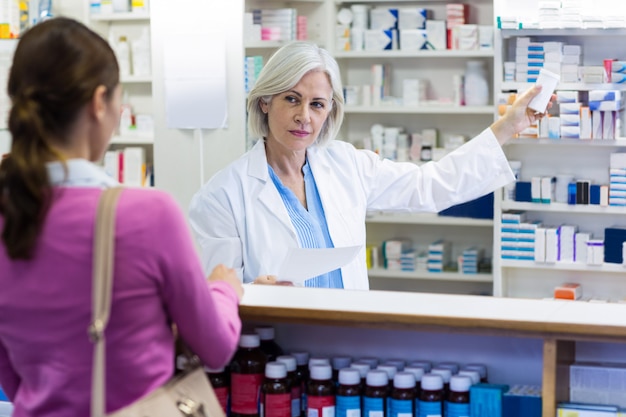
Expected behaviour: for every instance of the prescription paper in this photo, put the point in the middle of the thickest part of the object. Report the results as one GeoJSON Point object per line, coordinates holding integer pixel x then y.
{"type": "Point", "coordinates": [301, 264]}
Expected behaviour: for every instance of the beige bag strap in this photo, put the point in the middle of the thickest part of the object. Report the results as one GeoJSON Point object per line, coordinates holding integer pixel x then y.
{"type": "Point", "coordinates": [103, 252]}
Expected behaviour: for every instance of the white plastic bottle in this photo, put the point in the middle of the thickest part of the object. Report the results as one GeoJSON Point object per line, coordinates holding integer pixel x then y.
{"type": "Point", "coordinates": [122, 50]}
{"type": "Point", "coordinates": [476, 87]}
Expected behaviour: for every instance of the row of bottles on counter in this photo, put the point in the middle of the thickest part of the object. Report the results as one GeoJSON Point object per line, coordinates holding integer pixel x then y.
{"type": "Point", "coordinates": [262, 380]}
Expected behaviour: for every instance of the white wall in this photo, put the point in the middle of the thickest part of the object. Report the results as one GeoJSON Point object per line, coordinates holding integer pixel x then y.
{"type": "Point", "coordinates": [177, 154]}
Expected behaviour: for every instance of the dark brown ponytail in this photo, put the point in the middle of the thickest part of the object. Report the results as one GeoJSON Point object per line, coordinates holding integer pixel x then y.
{"type": "Point", "coordinates": [57, 66]}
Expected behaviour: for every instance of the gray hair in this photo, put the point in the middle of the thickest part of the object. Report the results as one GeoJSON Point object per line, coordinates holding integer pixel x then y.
{"type": "Point", "coordinates": [282, 72]}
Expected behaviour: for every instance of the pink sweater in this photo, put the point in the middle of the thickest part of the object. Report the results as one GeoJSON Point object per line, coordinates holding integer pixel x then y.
{"type": "Point", "coordinates": [45, 306]}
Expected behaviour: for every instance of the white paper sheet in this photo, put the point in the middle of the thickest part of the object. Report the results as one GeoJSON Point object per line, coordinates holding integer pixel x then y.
{"type": "Point", "coordinates": [194, 69]}
{"type": "Point", "coordinates": [302, 264]}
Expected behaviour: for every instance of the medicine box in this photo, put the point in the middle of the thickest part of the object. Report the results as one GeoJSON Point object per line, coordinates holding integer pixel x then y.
{"type": "Point", "coordinates": [486, 399]}
{"type": "Point", "coordinates": [568, 291]}
{"type": "Point", "coordinates": [522, 401]}
{"type": "Point", "coordinates": [586, 410]}
{"type": "Point", "coordinates": [598, 383]}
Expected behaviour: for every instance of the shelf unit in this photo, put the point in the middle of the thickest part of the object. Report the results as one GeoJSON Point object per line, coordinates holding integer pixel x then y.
{"type": "Point", "coordinates": [423, 229]}
{"type": "Point", "coordinates": [138, 88]}
{"type": "Point", "coordinates": [583, 159]}
{"type": "Point", "coordinates": [446, 118]}
{"type": "Point", "coordinates": [522, 341]}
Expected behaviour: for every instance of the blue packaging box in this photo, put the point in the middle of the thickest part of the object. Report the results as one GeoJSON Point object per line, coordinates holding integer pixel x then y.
{"type": "Point", "coordinates": [486, 400]}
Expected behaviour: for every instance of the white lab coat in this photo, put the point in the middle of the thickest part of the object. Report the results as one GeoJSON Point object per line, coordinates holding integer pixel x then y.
{"type": "Point", "coordinates": [240, 219]}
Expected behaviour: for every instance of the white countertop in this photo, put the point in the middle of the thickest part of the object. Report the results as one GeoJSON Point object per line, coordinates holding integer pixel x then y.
{"type": "Point", "coordinates": [543, 315]}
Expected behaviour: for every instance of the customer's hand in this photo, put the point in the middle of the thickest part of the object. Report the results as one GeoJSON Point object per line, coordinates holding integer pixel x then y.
{"type": "Point", "coordinates": [271, 280]}
{"type": "Point", "coordinates": [228, 275]}
{"type": "Point", "coordinates": [518, 117]}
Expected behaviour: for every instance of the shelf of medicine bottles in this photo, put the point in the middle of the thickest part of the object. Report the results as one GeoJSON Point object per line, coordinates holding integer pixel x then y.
{"type": "Point", "coordinates": [133, 139]}
{"type": "Point", "coordinates": [119, 16]}
{"type": "Point", "coordinates": [509, 33]}
{"type": "Point", "coordinates": [442, 53]}
{"type": "Point", "coordinates": [425, 275]}
{"type": "Point", "coordinates": [426, 219]}
{"type": "Point", "coordinates": [563, 208]}
{"type": "Point", "coordinates": [136, 79]}
{"type": "Point", "coordinates": [425, 109]}
{"type": "Point", "coordinates": [564, 266]}
{"type": "Point", "coordinates": [512, 85]}
{"type": "Point", "coordinates": [616, 143]}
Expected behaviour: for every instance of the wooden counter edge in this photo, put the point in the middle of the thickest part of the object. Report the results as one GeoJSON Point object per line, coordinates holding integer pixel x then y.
{"type": "Point", "coordinates": [560, 331]}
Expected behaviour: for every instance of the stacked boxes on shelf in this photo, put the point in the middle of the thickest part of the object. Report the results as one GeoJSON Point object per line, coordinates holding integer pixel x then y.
{"type": "Point", "coordinates": [470, 260]}
{"type": "Point", "coordinates": [274, 25]}
{"type": "Point", "coordinates": [438, 255]}
{"type": "Point", "coordinates": [533, 241]}
{"type": "Point", "coordinates": [409, 29]}
{"type": "Point", "coordinates": [398, 255]}
{"type": "Point", "coordinates": [404, 255]}
{"type": "Point", "coordinates": [617, 179]}
{"type": "Point", "coordinates": [517, 237]}
{"type": "Point", "coordinates": [557, 57]}
{"type": "Point", "coordinates": [566, 14]}
{"type": "Point", "coordinates": [593, 114]}
{"type": "Point", "coordinates": [252, 67]}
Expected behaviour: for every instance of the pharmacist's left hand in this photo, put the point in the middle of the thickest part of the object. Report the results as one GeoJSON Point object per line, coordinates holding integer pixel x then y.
{"type": "Point", "coordinates": [271, 280]}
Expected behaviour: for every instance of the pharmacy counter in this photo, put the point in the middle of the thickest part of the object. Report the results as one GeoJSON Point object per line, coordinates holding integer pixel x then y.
{"type": "Point", "coordinates": [556, 326]}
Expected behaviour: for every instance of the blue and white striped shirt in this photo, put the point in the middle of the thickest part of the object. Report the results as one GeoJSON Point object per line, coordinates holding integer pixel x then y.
{"type": "Point", "coordinates": [311, 226]}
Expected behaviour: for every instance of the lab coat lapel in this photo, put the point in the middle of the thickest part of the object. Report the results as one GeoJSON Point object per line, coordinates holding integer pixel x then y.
{"type": "Point", "coordinates": [268, 195]}
{"type": "Point", "coordinates": [325, 179]}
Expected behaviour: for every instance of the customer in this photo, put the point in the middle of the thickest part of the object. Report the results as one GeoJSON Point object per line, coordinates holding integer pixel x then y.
{"type": "Point", "coordinates": [299, 187]}
{"type": "Point", "coordinates": [65, 93]}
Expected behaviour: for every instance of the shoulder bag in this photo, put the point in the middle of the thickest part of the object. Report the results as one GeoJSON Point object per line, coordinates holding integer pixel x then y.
{"type": "Point", "coordinates": [188, 394]}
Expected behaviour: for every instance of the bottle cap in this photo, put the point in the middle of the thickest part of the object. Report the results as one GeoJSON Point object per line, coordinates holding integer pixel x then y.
{"type": "Point", "coordinates": [289, 361]}
{"type": "Point", "coordinates": [444, 372]}
{"type": "Point", "coordinates": [302, 358]}
{"type": "Point", "coordinates": [460, 383]}
{"type": "Point", "coordinates": [390, 369]}
{"type": "Point", "coordinates": [363, 368]}
{"type": "Point", "coordinates": [377, 378]}
{"type": "Point", "coordinates": [372, 362]}
{"type": "Point", "coordinates": [398, 363]}
{"type": "Point", "coordinates": [321, 372]}
{"type": "Point", "coordinates": [275, 370]}
{"type": "Point", "coordinates": [249, 341]}
{"type": "Point", "coordinates": [404, 380]}
{"type": "Point", "coordinates": [473, 375]}
{"type": "Point", "coordinates": [214, 370]}
{"type": "Point", "coordinates": [344, 16]}
{"type": "Point", "coordinates": [452, 366]}
{"type": "Point", "coordinates": [422, 364]}
{"type": "Point", "coordinates": [318, 361]}
{"type": "Point", "coordinates": [482, 369]}
{"type": "Point", "coordinates": [265, 332]}
{"type": "Point", "coordinates": [340, 362]}
{"type": "Point", "coordinates": [432, 382]}
{"type": "Point", "coordinates": [377, 129]}
{"type": "Point", "coordinates": [416, 371]}
{"type": "Point", "coordinates": [349, 376]}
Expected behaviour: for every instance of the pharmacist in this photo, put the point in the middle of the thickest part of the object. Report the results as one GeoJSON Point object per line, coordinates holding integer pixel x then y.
{"type": "Point", "coordinates": [300, 187]}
